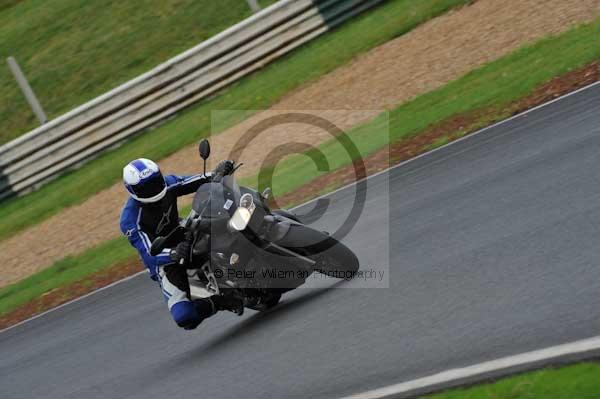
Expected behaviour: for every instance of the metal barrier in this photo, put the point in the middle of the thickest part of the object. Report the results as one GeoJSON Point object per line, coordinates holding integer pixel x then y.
{"type": "Point", "coordinates": [83, 133]}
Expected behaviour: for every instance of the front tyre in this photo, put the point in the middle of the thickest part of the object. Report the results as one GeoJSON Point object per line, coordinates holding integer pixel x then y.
{"type": "Point", "coordinates": [338, 261]}
{"type": "Point", "coordinates": [332, 257]}
{"type": "Point", "coordinates": [266, 303]}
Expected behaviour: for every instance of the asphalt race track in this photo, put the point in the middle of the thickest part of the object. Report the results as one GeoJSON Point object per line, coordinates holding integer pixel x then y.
{"type": "Point", "coordinates": [493, 248]}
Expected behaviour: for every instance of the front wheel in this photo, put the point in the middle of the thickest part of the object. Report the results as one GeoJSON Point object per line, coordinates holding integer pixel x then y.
{"type": "Point", "coordinates": [266, 303]}
{"type": "Point", "coordinates": [338, 261]}
{"type": "Point", "coordinates": [331, 256]}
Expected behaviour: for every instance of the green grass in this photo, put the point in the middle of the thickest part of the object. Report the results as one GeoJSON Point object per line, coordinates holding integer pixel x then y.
{"type": "Point", "coordinates": [496, 84]}
{"type": "Point", "coordinates": [257, 91]}
{"type": "Point", "coordinates": [445, 139]}
{"type": "Point", "coordinates": [440, 141]}
{"type": "Point", "coordinates": [5, 4]}
{"type": "Point", "coordinates": [74, 50]}
{"type": "Point", "coordinates": [578, 381]}
{"type": "Point", "coordinates": [64, 272]}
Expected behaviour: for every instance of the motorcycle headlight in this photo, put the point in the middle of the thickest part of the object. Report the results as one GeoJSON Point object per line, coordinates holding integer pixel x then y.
{"type": "Point", "coordinates": [241, 217]}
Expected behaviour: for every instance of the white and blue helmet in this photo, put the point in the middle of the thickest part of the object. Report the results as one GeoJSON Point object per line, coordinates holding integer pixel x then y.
{"type": "Point", "coordinates": [144, 181]}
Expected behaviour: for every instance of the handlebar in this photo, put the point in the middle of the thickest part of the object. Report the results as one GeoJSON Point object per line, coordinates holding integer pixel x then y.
{"type": "Point", "coordinates": [219, 176]}
{"type": "Point", "coordinates": [239, 165]}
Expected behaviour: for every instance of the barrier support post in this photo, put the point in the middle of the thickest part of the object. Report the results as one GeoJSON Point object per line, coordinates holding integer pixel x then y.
{"type": "Point", "coordinates": [254, 6]}
{"type": "Point", "coordinates": [27, 90]}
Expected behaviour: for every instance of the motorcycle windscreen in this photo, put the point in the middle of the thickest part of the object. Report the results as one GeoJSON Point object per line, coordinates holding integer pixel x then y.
{"type": "Point", "coordinates": [213, 201]}
{"type": "Point", "coordinates": [232, 186]}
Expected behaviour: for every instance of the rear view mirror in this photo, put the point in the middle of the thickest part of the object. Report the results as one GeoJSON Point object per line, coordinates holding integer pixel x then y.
{"type": "Point", "coordinates": [204, 149]}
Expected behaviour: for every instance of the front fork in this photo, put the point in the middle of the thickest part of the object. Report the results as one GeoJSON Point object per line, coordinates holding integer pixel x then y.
{"type": "Point", "coordinates": [212, 285]}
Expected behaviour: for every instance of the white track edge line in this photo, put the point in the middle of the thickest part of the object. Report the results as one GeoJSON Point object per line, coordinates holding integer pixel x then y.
{"type": "Point", "coordinates": [343, 188]}
{"type": "Point", "coordinates": [505, 363]}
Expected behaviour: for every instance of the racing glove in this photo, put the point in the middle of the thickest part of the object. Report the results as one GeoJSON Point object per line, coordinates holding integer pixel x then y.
{"type": "Point", "coordinates": [181, 253]}
{"type": "Point", "coordinates": [225, 167]}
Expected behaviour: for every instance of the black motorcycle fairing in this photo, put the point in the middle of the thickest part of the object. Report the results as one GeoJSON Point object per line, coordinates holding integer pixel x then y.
{"type": "Point", "coordinates": [234, 256]}
{"type": "Point", "coordinates": [286, 214]}
{"type": "Point", "coordinates": [276, 228]}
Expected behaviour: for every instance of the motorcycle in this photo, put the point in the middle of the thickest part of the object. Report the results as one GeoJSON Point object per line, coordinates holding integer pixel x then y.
{"type": "Point", "coordinates": [242, 248]}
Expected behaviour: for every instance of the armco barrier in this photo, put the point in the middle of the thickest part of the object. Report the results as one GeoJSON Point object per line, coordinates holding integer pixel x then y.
{"type": "Point", "coordinates": [86, 131]}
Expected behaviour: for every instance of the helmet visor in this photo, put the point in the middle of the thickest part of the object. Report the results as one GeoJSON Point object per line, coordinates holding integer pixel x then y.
{"type": "Point", "coordinates": [151, 187]}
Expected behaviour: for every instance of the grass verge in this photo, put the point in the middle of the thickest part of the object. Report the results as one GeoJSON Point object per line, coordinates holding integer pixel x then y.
{"type": "Point", "coordinates": [64, 272]}
{"type": "Point", "coordinates": [578, 381]}
{"type": "Point", "coordinates": [257, 91]}
{"type": "Point", "coordinates": [497, 84]}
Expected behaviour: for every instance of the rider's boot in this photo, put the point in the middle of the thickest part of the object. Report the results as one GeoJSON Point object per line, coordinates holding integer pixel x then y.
{"type": "Point", "coordinates": [228, 303]}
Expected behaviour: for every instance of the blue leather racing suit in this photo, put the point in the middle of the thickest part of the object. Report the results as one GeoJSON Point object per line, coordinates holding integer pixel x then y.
{"type": "Point", "coordinates": [141, 223]}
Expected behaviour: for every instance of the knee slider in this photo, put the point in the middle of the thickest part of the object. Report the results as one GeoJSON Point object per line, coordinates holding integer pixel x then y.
{"type": "Point", "coordinates": [185, 315]}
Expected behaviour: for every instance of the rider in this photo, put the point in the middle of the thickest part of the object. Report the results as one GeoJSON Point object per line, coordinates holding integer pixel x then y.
{"type": "Point", "coordinates": [151, 211]}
